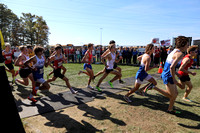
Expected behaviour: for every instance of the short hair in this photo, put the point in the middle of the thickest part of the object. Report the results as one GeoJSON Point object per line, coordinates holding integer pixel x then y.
{"type": "Point", "coordinates": [181, 41]}
{"type": "Point", "coordinates": [38, 49]}
{"type": "Point", "coordinates": [112, 42]}
{"type": "Point", "coordinates": [111, 46]}
{"type": "Point", "coordinates": [90, 45]}
{"type": "Point", "coordinates": [7, 44]}
{"type": "Point", "coordinates": [21, 48]}
{"type": "Point", "coordinates": [148, 48]}
{"type": "Point", "coordinates": [192, 48]}
{"type": "Point", "coordinates": [29, 46]}
{"type": "Point", "coordinates": [58, 46]}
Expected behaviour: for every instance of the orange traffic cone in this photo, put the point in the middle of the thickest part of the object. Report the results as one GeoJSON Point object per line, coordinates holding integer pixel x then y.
{"type": "Point", "coordinates": [160, 68]}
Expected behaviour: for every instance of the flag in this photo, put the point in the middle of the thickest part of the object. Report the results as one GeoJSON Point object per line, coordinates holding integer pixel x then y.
{"type": "Point", "coordinates": [165, 42]}
{"type": "Point", "coordinates": [155, 40]}
{"type": "Point", "coordinates": [2, 41]}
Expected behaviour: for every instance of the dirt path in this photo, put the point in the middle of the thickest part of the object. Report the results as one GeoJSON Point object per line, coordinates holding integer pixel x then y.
{"type": "Point", "coordinates": [106, 114]}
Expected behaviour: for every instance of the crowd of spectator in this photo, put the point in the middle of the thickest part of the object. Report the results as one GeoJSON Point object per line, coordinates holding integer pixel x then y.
{"type": "Point", "coordinates": [129, 54]}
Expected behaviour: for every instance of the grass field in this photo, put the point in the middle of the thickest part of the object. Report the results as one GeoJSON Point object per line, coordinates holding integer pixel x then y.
{"type": "Point", "coordinates": [111, 113]}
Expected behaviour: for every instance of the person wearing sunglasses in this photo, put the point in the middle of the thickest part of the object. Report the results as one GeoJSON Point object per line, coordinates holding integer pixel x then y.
{"type": "Point", "coordinates": [184, 72]}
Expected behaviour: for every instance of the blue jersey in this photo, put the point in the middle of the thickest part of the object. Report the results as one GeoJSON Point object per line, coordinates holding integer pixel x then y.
{"type": "Point", "coordinates": [40, 68]}
{"type": "Point", "coordinates": [141, 73]}
{"type": "Point", "coordinates": [166, 74]}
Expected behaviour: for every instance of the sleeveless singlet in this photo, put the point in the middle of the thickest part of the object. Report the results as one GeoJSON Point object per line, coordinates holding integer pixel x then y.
{"type": "Point", "coordinates": [40, 68]}
{"type": "Point", "coordinates": [110, 63]}
{"type": "Point", "coordinates": [141, 73]}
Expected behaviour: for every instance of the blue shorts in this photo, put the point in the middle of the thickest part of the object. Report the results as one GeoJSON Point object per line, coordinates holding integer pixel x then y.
{"type": "Point", "coordinates": [167, 79]}
{"type": "Point", "coordinates": [87, 66]}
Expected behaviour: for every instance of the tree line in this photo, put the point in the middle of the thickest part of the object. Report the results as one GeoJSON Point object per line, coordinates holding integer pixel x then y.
{"type": "Point", "coordinates": [26, 29]}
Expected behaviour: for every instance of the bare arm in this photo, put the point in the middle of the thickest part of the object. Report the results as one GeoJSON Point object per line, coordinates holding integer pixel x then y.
{"type": "Point", "coordinates": [177, 58]}
{"type": "Point", "coordinates": [106, 52]}
{"type": "Point", "coordinates": [139, 58]}
{"type": "Point", "coordinates": [184, 63]}
{"type": "Point", "coordinates": [18, 60]}
{"type": "Point", "coordinates": [32, 59]}
{"type": "Point", "coordinates": [105, 57]}
{"type": "Point", "coordinates": [84, 58]}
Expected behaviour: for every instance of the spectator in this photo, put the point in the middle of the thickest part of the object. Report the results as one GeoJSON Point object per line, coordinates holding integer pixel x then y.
{"type": "Point", "coordinates": [78, 55]}
{"type": "Point", "coordinates": [72, 53]}
{"type": "Point", "coordinates": [120, 51]}
{"type": "Point", "coordinates": [135, 53]}
{"type": "Point", "coordinates": [163, 55]}
{"type": "Point", "coordinates": [46, 53]}
{"type": "Point", "coordinates": [156, 56]}
{"type": "Point", "coordinates": [129, 55]}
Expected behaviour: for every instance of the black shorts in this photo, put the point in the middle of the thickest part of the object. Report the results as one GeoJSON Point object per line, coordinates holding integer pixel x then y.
{"type": "Point", "coordinates": [10, 66]}
{"type": "Point", "coordinates": [109, 70]}
{"type": "Point", "coordinates": [184, 78]}
{"type": "Point", "coordinates": [24, 72]}
{"type": "Point", "coordinates": [57, 73]}
{"type": "Point", "coordinates": [115, 65]}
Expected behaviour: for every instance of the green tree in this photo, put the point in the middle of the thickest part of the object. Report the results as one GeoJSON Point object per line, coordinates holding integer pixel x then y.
{"type": "Point", "coordinates": [41, 31]}
{"type": "Point", "coordinates": [7, 22]}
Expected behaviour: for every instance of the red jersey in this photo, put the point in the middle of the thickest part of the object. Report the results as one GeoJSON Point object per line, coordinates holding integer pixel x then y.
{"type": "Point", "coordinates": [58, 61]}
{"type": "Point", "coordinates": [187, 66]}
{"type": "Point", "coordinates": [90, 56]}
{"type": "Point", "coordinates": [8, 57]}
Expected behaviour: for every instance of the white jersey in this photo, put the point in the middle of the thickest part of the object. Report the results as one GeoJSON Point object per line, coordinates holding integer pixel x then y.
{"type": "Point", "coordinates": [110, 63]}
{"type": "Point", "coordinates": [170, 56]}
{"type": "Point", "coordinates": [142, 62]}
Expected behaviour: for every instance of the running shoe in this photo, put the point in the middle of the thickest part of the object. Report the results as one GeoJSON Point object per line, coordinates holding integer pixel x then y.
{"type": "Point", "coordinates": [80, 72]}
{"type": "Point", "coordinates": [32, 99]}
{"type": "Point", "coordinates": [73, 91]}
{"type": "Point", "coordinates": [173, 112]}
{"type": "Point", "coordinates": [127, 99]}
{"type": "Point", "coordinates": [121, 81]}
{"type": "Point", "coordinates": [110, 83]}
{"type": "Point", "coordinates": [90, 87]}
{"type": "Point", "coordinates": [98, 88]}
{"type": "Point", "coordinates": [187, 99]}
{"type": "Point", "coordinates": [149, 87]}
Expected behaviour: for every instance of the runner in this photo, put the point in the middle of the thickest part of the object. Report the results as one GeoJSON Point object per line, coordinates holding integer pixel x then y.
{"type": "Point", "coordinates": [111, 58]}
{"type": "Point", "coordinates": [52, 62]}
{"type": "Point", "coordinates": [115, 63]}
{"type": "Point", "coordinates": [39, 61]}
{"type": "Point", "coordinates": [8, 55]}
{"type": "Point", "coordinates": [142, 72]}
{"type": "Point", "coordinates": [87, 60]}
{"type": "Point", "coordinates": [58, 59]}
{"type": "Point", "coordinates": [24, 72]}
{"type": "Point", "coordinates": [184, 72]}
{"type": "Point", "coordinates": [168, 74]}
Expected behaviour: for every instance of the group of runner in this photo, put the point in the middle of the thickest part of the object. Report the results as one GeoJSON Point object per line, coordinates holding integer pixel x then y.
{"type": "Point", "coordinates": [32, 62]}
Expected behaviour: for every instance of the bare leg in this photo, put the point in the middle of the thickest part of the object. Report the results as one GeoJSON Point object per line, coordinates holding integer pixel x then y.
{"type": "Point", "coordinates": [102, 78]}
{"type": "Point", "coordinates": [67, 82]}
{"type": "Point", "coordinates": [117, 75]}
{"type": "Point", "coordinates": [101, 72]}
{"type": "Point", "coordinates": [188, 89]}
{"type": "Point", "coordinates": [120, 71]}
{"type": "Point", "coordinates": [134, 89]}
{"type": "Point", "coordinates": [91, 75]}
{"type": "Point", "coordinates": [23, 82]}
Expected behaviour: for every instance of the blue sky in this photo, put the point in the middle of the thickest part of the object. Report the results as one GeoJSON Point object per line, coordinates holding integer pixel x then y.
{"type": "Point", "coordinates": [128, 22]}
